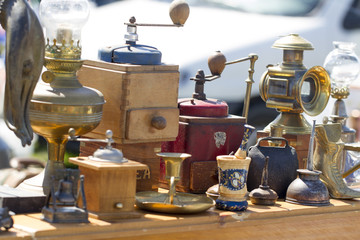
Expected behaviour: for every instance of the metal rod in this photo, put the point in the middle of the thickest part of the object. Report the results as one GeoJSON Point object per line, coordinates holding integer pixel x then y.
{"type": "Point", "coordinates": [351, 170]}
{"type": "Point", "coordinates": [311, 149]}
{"type": "Point", "coordinates": [249, 81]}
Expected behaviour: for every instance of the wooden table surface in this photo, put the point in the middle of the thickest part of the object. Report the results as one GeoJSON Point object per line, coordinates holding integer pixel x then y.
{"type": "Point", "coordinates": [340, 220]}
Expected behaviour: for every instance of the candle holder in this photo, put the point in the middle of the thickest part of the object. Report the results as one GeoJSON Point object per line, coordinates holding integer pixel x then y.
{"type": "Point", "coordinates": [173, 202]}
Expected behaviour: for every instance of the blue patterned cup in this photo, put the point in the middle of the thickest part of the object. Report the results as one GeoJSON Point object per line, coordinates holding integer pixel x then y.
{"type": "Point", "coordinates": [233, 174]}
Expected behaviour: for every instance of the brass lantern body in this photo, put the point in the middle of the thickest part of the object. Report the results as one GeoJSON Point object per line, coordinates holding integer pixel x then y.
{"type": "Point", "coordinates": [292, 89]}
{"type": "Point", "coordinates": [60, 102]}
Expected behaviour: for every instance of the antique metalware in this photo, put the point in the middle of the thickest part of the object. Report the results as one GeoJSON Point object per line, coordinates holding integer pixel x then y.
{"type": "Point", "coordinates": [173, 202]}
{"type": "Point", "coordinates": [263, 195]}
{"type": "Point", "coordinates": [328, 158]}
{"type": "Point", "coordinates": [282, 167]}
{"type": "Point", "coordinates": [24, 60]}
{"type": "Point", "coordinates": [206, 122]}
{"type": "Point", "coordinates": [308, 189]}
{"type": "Point", "coordinates": [233, 174]}
{"type": "Point", "coordinates": [62, 206]}
{"type": "Point", "coordinates": [292, 89]}
{"type": "Point", "coordinates": [60, 102]}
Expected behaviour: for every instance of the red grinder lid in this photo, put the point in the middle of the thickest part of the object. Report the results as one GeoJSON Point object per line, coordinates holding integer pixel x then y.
{"type": "Point", "coordinates": [203, 108]}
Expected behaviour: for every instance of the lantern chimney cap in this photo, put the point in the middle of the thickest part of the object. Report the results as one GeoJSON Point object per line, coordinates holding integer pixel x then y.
{"type": "Point", "coordinates": [293, 42]}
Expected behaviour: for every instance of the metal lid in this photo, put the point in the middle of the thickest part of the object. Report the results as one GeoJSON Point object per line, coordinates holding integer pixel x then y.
{"type": "Point", "coordinates": [203, 108]}
{"type": "Point", "coordinates": [108, 155]}
{"type": "Point", "coordinates": [132, 54]}
{"type": "Point", "coordinates": [293, 42]}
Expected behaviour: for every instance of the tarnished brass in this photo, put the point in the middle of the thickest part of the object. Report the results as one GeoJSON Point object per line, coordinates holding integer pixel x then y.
{"type": "Point", "coordinates": [173, 202]}
{"type": "Point", "coordinates": [292, 89]}
{"type": "Point", "coordinates": [24, 59]}
{"type": "Point", "coordinates": [62, 103]}
{"type": "Point", "coordinates": [329, 158]}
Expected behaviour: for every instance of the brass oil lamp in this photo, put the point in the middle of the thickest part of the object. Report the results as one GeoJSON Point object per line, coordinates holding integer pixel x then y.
{"type": "Point", "coordinates": [60, 102]}
{"type": "Point", "coordinates": [292, 89]}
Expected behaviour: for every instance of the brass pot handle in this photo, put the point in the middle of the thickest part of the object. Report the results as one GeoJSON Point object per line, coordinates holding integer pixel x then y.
{"type": "Point", "coordinates": [158, 122]}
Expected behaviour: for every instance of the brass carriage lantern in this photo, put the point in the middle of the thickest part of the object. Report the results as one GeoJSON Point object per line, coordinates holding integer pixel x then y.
{"type": "Point", "coordinates": [292, 89]}
{"type": "Point", "coordinates": [59, 101]}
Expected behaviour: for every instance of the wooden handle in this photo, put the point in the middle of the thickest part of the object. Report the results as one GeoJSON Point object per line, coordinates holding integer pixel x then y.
{"type": "Point", "coordinates": [158, 122]}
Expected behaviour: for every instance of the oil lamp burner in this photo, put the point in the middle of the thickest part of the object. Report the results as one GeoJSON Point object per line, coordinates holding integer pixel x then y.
{"type": "Point", "coordinates": [59, 101]}
{"type": "Point", "coordinates": [206, 129]}
{"type": "Point", "coordinates": [292, 89]}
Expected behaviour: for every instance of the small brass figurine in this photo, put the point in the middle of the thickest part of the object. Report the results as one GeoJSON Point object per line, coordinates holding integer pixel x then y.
{"type": "Point", "coordinates": [25, 48]}
{"type": "Point", "coordinates": [328, 158]}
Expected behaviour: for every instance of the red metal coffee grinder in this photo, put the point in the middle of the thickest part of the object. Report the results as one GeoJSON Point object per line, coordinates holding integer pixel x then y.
{"type": "Point", "coordinates": [206, 129]}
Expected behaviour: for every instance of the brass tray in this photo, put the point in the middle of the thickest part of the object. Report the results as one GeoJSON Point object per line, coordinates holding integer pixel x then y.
{"type": "Point", "coordinates": [183, 202]}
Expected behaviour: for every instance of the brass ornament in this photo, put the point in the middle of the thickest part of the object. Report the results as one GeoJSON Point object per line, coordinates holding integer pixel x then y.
{"type": "Point", "coordinates": [329, 157]}
{"type": "Point", "coordinates": [292, 89]}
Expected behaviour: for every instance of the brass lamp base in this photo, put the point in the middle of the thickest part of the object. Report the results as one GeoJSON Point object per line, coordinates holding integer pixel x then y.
{"type": "Point", "coordinates": [291, 123]}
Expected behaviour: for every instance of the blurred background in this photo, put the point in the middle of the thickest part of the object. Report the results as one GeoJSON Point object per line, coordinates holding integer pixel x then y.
{"type": "Point", "coordinates": [235, 27]}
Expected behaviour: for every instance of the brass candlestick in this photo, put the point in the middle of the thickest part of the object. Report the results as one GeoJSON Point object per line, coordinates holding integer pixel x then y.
{"type": "Point", "coordinates": [173, 202]}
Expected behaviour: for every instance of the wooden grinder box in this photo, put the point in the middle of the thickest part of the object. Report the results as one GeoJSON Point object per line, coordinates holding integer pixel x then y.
{"type": "Point", "coordinates": [140, 109]}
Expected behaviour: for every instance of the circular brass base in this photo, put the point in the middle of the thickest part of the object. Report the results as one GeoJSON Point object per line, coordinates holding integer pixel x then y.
{"type": "Point", "coordinates": [183, 202]}
{"type": "Point", "coordinates": [290, 123]}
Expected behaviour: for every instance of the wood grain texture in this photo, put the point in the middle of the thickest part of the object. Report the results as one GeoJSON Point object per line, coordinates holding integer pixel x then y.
{"type": "Point", "coordinates": [147, 180]}
{"type": "Point", "coordinates": [282, 221]}
{"type": "Point", "coordinates": [128, 87]}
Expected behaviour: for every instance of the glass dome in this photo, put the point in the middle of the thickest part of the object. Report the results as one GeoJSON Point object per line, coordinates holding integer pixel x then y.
{"type": "Point", "coordinates": [342, 64]}
{"type": "Point", "coordinates": [63, 20]}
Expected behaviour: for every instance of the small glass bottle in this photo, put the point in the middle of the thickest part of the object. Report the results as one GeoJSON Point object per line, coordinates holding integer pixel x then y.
{"type": "Point", "coordinates": [342, 65]}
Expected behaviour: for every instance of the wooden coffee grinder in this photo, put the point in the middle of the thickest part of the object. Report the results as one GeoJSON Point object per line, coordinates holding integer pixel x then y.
{"type": "Point", "coordinates": [141, 98]}
{"type": "Point", "coordinates": [206, 129]}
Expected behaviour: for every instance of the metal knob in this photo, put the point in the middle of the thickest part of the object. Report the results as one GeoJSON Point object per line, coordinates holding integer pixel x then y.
{"type": "Point", "coordinates": [158, 122]}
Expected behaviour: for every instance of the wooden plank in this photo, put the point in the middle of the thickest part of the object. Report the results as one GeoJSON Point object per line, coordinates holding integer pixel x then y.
{"type": "Point", "coordinates": [110, 166]}
{"type": "Point", "coordinates": [282, 221]}
{"type": "Point", "coordinates": [131, 67]}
